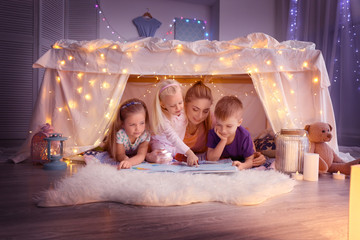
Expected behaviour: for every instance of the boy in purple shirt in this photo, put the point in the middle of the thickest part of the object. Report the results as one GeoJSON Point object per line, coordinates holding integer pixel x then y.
{"type": "Point", "coordinates": [228, 139]}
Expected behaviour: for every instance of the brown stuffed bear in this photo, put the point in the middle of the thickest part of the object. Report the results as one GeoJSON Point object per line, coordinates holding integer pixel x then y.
{"type": "Point", "coordinates": [329, 161]}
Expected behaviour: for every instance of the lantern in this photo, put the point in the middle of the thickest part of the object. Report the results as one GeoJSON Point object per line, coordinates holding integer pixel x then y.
{"type": "Point", "coordinates": [39, 144]}
{"type": "Point", "coordinates": [54, 155]}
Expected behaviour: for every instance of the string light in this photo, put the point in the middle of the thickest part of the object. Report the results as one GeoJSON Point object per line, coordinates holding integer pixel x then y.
{"type": "Point", "coordinates": [346, 38]}
{"type": "Point", "coordinates": [168, 35]}
{"type": "Point", "coordinates": [292, 33]}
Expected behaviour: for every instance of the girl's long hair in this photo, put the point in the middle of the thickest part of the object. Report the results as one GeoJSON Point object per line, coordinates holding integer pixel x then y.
{"type": "Point", "coordinates": [165, 88]}
{"type": "Point", "coordinates": [200, 91]}
{"type": "Point", "coordinates": [128, 107]}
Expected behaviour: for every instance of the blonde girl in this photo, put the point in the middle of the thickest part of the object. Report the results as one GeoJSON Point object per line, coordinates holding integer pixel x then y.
{"type": "Point", "coordinates": [128, 138]}
{"type": "Point", "coordinates": [169, 122]}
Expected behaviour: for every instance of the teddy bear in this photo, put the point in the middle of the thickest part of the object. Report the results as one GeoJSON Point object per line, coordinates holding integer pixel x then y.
{"type": "Point", "coordinates": [319, 134]}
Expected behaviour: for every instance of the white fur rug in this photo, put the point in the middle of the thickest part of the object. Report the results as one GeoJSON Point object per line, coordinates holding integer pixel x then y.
{"type": "Point", "coordinates": [100, 182]}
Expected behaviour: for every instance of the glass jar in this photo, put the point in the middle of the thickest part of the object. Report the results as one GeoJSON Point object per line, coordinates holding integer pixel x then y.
{"type": "Point", "coordinates": [291, 145]}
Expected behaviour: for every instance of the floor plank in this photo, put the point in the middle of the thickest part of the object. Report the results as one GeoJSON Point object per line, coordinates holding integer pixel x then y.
{"type": "Point", "coordinates": [313, 210]}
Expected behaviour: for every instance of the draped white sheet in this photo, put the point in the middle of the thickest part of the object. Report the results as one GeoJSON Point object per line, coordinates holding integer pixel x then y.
{"type": "Point", "coordinates": [85, 80]}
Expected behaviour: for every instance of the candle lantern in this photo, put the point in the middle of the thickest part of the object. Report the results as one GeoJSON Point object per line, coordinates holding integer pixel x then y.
{"type": "Point", "coordinates": [291, 145]}
{"type": "Point", "coordinates": [55, 155]}
{"type": "Point", "coordinates": [39, 144]}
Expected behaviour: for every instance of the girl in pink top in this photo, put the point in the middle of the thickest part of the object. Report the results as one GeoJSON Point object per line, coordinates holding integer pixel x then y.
{"type": "Point", "coordinates": [169, 123]}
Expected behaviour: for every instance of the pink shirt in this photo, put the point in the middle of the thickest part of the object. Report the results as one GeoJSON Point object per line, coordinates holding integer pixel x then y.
{"type": "Point", "coordinates": [171, 135]}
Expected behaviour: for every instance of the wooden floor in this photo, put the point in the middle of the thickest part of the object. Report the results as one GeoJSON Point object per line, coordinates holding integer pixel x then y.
{"type": "Point", "coordinates": [313, 210]}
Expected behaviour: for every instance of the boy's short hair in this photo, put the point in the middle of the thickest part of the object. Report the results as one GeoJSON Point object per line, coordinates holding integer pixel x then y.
{"type": "Point", "coordinates": [228, 106]}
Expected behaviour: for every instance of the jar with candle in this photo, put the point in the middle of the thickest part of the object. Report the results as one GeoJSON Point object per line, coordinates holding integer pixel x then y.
{"type": "Point", "coordinates": [291, 145]}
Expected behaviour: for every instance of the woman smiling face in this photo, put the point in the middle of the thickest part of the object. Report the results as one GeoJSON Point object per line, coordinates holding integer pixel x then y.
{"type": "Point", "coordinates": [197, 110]}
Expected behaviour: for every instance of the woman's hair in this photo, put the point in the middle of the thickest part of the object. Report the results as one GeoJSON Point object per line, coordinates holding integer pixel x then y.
{"type": "Point", "coordinates": [165, 88]}
{"type": "Point", "coordinates": [200, 91]}
{"type": "Point", "coordinates": [228, 106]}
{"type": "Point", "coordinates": [127, 108]}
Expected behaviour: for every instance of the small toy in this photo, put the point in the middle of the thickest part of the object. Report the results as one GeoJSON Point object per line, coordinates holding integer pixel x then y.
{"type": "Point", "coordinates": [329, 161]}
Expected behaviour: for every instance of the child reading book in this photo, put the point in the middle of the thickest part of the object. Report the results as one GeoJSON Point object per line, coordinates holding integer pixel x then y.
{"type": "Point", "coordinates": [228, 139]}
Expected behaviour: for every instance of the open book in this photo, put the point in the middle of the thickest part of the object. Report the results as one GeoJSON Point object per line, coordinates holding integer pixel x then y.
{"type": "Point", "coordinates": [177, 167]}
{"type": "Point", "coordinates": [221, 166]}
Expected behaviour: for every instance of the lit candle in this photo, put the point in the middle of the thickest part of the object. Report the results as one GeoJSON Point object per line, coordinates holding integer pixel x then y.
{"type": "Point", "coordinates": [338, 175]}
{"type": "Point", "coordinates": [311, 167]}
{"type": "Point", "coordinates": [297, 176]}
{"type": "Point", "coordinates": [354, 209]}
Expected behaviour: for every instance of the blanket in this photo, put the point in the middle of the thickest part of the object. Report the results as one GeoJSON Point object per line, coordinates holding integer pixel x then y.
{"type": "Point", "coordinates": [98, 182]}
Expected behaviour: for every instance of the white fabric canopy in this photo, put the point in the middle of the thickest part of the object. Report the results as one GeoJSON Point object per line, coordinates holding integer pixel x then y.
{"type": "Point", "coordinates": [84, 81]}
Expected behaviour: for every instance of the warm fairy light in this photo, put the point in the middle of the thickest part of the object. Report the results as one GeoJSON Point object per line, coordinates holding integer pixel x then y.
{"type": "Point", "coordinates": [268, 62]}
{"type": "Point", "coordinates": [281, 68]}
{"type": "Point", "coordinates": [107, 115]}
{"type": "Point", "coordinates": [48, 120]}
{"type": "Point", "coordinates": [274, 84]}
{"type": "Point", "coordinates": [104, 70]}
{"type": "Point", "coordinates": [178, 50]}
{"type": "Point", "coordinates": [58, 79]}
{"type": "Point", "coordinates": [55, 46]}
{"type": "Point", "coordinates": [92, 82]}
{"type": "Point", "coordinates": [79, 89]}
{"type": "Point", "coordinates": [292, 91]}
{"type": "Point", "coordinates": [290, 76]}
{"type": "Point", "coordinates": [105, 85]}
{"type": "Point", "coordinates": [129, 54]}
{"type": "Point", "coordinates": [124, 71]}
{"type": "Point", "coordinates": [305, 64]}
{"type": "Point", "coordinates": [80, 75]}
{"type": "Point", "coordinates": [114, 47]}
{"type": "Point", "coordinates": [279, 52]}
{"type": "Point", "coordinates": [256, 70]}
{"type": "Point", "coordinates": [75, 150]}
{"type": "Point", "coordinates": [102, 56]}
{"type": "Point", "coordinates": [320, 112]}
{"type": "Point", "coordinates": [62, 62]}
{"type": "Point", "coordinates": [87, 97]}
{"type": "Point", "coordinates": [316, 80]}
{"type": "Point", "coordinates": [60, 109]}
{"type": "Point", "coordinates": [111, 102]}
{"type": "Point", "coordinates": [72, 104]}
{"type": "Point", "coordinates": [221, 59]}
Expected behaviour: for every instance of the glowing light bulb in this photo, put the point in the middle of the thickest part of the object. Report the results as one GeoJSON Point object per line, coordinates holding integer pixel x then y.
{"type": "Point", "coordinates": [88, 97]}
{"type": "Point", "coordinates": [316, 80]}
{"type": "Point", "coordinates": [114, 47]}
{"type": "Point", "coordinates": [58, 79]}
{"type": "Point", "coordinates": [268, 62]}
{"type": "Point", "coordinates": [70, 58]}
{"type": "Point", "coordinates": [292, 91]}
{"type": "Point", "coordinates": [281, 68]}
{"type": "Point", "coordinates": [80, 75]}
{"type": "Point", "coordinates": [92, 82]}
{"type": "Point", "coordinates": [124, 71]}
{"type": "Point", "coordinates": [104, 70]}
{"type": "Point", "coordinates": [221, 59]}
{"type": "Point", "coordinates": [60, 109]}
{"type": "Point", "coordinates": [62, 62]}
{"type": "Point", "coordinates": [305, 64]}
{"type": "Point", "coordinates": [105, 85]}
{"type": "Point", "coordinates": [79, 89]}
{"type": "Point", "coordinates": [102, 56]}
